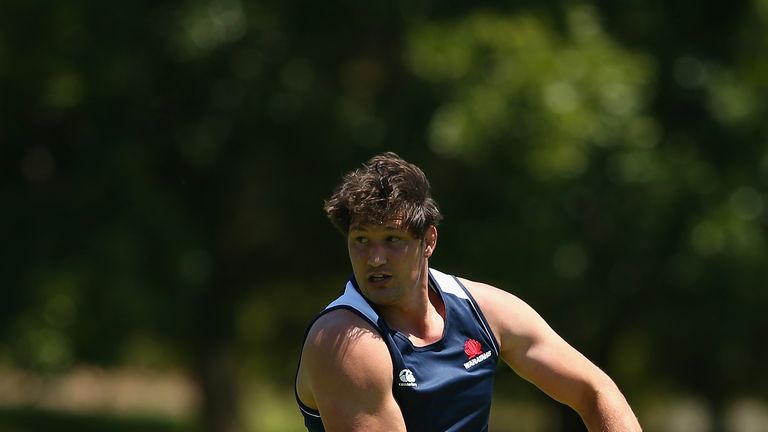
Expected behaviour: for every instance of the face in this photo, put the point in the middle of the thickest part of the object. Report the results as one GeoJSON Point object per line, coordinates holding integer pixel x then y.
{"type": "Point", "coordinates": [389, 262]}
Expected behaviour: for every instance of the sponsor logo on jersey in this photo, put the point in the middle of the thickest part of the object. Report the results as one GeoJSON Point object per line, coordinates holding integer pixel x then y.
{"type": "Point", "coordinates": [474, 351]}
{"type": "Point", "coordinates": [407, 379]}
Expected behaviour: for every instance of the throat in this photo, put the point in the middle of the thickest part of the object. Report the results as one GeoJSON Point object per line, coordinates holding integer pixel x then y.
{"type": "Point", "coordinates": [429, 333]}
{"type": "Point", "coordinates": [424, 327]}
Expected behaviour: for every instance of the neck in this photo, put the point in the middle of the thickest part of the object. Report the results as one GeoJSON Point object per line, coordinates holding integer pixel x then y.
{"type": "Point", "coordinates": [422, 319]}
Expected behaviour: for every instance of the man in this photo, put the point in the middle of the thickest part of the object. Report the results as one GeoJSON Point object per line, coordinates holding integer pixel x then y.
{"type": "Point", "coordinates": [407, 347]}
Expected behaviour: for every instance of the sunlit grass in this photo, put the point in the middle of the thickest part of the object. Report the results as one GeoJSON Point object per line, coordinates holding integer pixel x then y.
{"type": "Point", "coordinates": [266, 408]}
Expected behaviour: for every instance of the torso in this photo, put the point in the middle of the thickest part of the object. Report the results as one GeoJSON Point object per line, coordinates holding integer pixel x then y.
{"type": "Point", "coordinates": [441, 381]}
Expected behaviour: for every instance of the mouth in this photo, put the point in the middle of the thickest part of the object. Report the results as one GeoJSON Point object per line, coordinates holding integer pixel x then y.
{"type": "Point", "coordinates": [377, 278]}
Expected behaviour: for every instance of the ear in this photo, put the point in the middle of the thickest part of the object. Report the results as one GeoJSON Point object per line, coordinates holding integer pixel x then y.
{"type": "Point", "coordinates": [430, 241]}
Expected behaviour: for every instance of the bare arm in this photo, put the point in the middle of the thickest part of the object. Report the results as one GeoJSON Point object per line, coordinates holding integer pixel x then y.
{"type": "Point", "coordinates": [538, 354]}
{"type": "Point", "coordinates": [346, 373]}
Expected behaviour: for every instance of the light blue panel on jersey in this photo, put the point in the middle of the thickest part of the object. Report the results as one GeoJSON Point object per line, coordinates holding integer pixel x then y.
{"type": "Point", "coordinates": [353, 298]}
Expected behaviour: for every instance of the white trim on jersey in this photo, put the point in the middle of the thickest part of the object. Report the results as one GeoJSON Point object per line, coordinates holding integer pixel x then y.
{"type": "Point", "coordinates": [306, 410]}
{"type": "Point", "coordinates": [448, 284]}
{"type": "Point", "coordinates": [352, 297]}
{"type": "Point", "coordinates": [485, 329]}
{"type": "Point", "coordinates": [451, 285]}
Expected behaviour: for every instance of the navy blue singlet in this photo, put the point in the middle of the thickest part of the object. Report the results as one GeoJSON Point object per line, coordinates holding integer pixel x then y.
{"type": "Point", "coordinates": [444, 386]}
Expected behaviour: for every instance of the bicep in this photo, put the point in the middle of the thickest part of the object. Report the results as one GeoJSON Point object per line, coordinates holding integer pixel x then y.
{"type": "Point", "coordinates": [350, 376]}
{"type": "Point", "coordinates": [549, 362]}
{"type": "Point", "coordinates": [535, 351]}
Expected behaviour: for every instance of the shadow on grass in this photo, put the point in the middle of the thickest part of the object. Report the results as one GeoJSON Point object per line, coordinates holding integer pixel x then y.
{"type": "Point", "coordinates": [36, 420]}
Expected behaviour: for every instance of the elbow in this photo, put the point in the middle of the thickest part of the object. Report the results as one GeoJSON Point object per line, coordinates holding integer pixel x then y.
{"type": "Point", "coordinates": [604, 408]}
{"type": "Point", "coordinates": [596, 392]}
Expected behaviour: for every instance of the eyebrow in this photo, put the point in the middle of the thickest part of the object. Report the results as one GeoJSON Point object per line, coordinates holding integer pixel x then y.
{"type": "Point", "coordinates": [386, 228]}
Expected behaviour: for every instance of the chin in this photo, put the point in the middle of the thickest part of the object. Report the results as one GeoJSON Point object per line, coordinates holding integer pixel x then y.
{"type": "Point", "coordinates": [379, 296]}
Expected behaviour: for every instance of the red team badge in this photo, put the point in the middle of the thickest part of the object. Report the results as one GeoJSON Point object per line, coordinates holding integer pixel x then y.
{"type": "Point", "coordinates": [472, 348]}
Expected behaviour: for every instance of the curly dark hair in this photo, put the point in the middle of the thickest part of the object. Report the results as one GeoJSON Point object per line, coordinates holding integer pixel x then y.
{"type": "Point", "coordinates": [385, 188]}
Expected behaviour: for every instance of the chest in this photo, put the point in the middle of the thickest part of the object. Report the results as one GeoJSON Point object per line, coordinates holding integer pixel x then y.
{"type": "Point", "coordinates": [446, 384]}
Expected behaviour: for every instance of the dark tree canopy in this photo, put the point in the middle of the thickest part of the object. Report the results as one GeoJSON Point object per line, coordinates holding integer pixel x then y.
{"type": "Point", "coordinates": [163, 166]}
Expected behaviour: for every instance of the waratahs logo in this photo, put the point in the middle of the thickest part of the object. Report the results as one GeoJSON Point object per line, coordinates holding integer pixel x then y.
{"type": "Point", "coordinates": [474, 351]}
{"type": "Point", "coordinates": [472, 348]}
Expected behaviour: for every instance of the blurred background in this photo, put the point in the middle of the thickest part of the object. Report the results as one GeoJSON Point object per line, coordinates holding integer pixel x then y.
{"type": "Point", "coordinates": [163, 166]}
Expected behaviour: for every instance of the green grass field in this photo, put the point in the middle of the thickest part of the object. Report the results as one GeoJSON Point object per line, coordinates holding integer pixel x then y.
{"type": "Point", "coordinates": [36, 420]}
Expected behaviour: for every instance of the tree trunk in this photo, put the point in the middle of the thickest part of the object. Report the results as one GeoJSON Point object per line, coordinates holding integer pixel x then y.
{"type": "Point", "coordinates": [216, 376]}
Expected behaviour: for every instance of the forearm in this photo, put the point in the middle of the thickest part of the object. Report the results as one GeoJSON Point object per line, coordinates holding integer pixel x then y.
{"type": "Point", "coordinates": [608, 411]}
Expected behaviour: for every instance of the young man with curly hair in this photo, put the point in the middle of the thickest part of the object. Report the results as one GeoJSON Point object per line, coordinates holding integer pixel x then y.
{"type": "Point", "coordinates": [407, 347]}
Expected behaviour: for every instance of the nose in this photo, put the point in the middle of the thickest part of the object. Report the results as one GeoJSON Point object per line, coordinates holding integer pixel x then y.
{"type": "Point", "coordinates": [376, 256]}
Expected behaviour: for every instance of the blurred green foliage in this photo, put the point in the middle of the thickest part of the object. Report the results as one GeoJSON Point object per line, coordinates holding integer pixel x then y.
{"type": "Point", "coordinates": [163, 165]}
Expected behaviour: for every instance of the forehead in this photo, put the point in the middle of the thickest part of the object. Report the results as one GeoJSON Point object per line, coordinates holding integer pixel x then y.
{"type": "Point", "coordinates": [388, 225]}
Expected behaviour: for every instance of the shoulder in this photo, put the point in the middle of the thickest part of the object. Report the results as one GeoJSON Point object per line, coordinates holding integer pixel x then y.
{"type": "Point", "coordinates": [342, 334]}
{"type": "Point", "coordinates": [342, 346]}
{"type": "Point", "coordinates": [493, 300]}
{"type": "Point", "coordinates": [346, 373]}
{"type": "Point", "coordinates": [513, 320]}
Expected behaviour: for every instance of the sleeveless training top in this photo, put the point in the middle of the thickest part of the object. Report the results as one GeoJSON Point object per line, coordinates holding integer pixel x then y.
{"type": "Point", "coordinates": [444, 386]}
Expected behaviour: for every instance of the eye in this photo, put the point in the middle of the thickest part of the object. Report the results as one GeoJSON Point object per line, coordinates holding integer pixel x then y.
{"type": "Point", "coordinates": [361, 240]}
{"type": "Point", "coordinates": [393, 239]}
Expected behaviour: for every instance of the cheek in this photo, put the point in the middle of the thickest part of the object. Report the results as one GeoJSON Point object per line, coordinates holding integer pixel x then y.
{"type": "Point", "coordinates": [410, 254]}
{"type": "Point", "coordinates": [356, 254]}
{"type": "Point", "coordinates": [359, 256]}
